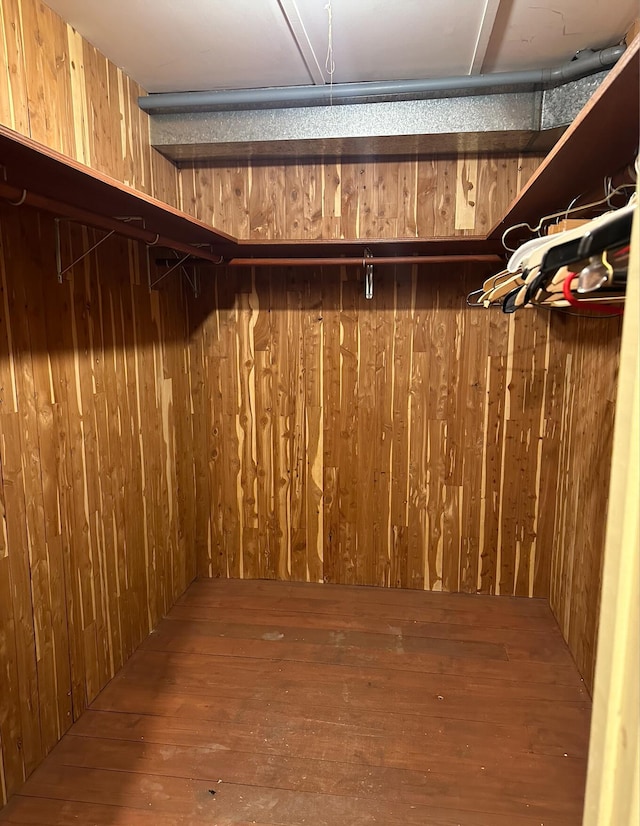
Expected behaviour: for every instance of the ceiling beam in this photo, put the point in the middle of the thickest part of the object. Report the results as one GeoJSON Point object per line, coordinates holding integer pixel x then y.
{"type": "Point", "coordinates": [487, 23]}
{"type": "Point", "coordinates": [292, 16]}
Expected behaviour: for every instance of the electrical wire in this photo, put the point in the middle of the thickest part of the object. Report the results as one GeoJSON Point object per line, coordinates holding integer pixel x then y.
{"type": "Point", "coordinates": [329, 62]}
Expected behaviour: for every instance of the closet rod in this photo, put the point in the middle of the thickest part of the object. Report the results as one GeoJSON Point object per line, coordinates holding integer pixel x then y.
{"type": "Point", "coordinates": [17, 197]}
{"type": "Point", "coordinates": [362, 260]}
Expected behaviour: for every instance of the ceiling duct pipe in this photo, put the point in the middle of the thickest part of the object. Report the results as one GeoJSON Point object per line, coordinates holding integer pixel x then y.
{"type": "Point", "coordinates": [585, 63]}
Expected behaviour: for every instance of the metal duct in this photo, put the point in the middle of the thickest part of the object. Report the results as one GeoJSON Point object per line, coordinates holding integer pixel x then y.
{"type": "Point", "coordinates": [585, 63]}
{"type": "Point", "coordinates": [506, 122]}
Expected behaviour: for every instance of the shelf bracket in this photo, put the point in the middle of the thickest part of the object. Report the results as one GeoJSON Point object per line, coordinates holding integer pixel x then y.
{"type": "Point", "coordinates": [127, 219]}
{"type": "Point", "coordinates": [59, 269]}
{"type": "Point", "coordinates": [179, 264]}
{"type": "Point", "coordinates": [195, 284]}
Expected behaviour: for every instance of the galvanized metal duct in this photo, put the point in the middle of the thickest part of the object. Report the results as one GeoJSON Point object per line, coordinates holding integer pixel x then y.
{"type": "Point", "coordinates": [585, 63]}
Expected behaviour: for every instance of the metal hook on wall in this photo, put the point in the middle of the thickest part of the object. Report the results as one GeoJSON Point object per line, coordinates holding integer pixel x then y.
{"type": "Point", "coordinates": [367, 263]}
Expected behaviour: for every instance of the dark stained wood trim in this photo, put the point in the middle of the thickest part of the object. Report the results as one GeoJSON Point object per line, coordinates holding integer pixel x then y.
{"type": "Point", "coordinates": [36, 168]}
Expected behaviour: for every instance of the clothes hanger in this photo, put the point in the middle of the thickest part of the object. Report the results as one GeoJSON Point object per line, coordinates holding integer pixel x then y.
{"type": "Point", "coordinates": [606, 309]}
{"type": "Point", "coordinates": [498, 293]}
{"type": "Point", "coordinates": [538, 270]}
{"type": "Point", "coordinates": [595, 274]}
{"type": "Point", "coordinates": [492, 281]}
{"type": "Point", "coordinates": [520, 257]}
{"type": "Point", "coordinates": [565, 247]}
{"type": "Point", "coordinates": [471, 295]}
{"type": "Point", "coordinates": [610, 235]}
{"type": "Point", "coordinates": [565, 213]}
{"type": "Point", "coordinates": [509, 303]}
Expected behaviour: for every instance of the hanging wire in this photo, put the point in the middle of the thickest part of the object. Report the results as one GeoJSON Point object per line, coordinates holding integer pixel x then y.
{"type": "Point", "coordinates": [329, 62]}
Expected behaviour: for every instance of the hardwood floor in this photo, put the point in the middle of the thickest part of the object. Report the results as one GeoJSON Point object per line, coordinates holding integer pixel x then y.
{"type": "Point", "coordinates": [273, 703]}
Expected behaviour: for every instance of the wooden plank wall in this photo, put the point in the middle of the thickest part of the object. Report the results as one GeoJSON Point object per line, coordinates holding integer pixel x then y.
{"type": "Point", "coordinates": [578, 442]}
{"type": "Point", "coordinates": [406, 441]}
{"type": "Point", "coordinates": [59, 90]}
{"type": "Point", "coordinates": [288, 432]}
{"type": "Point", "coordinates": [96, 492]}
{"type": "Point", "coordinates": [376, 198]}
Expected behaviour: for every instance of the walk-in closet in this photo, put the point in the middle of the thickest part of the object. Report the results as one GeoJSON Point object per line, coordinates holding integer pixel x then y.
{"type": "Point", "coordinates": [318, 413]}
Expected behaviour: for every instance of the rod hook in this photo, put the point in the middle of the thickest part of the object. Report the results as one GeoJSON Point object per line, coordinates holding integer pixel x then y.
{"type": "Point", "coordinates": [20, 200]}
{"type": "Point", "coordinates": [367, 263]}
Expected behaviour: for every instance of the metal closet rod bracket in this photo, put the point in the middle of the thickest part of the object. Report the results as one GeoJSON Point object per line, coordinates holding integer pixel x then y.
{"type": "Point", "coordinates": [367, 263]}
{"type": "Point", "coordinates": [180, 264]}
{"type": "Point", "coordinates": [60, 271]}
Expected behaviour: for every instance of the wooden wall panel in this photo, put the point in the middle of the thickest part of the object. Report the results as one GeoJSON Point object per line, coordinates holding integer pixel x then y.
{"type": "Point", "coordinates": [578, 431]}
{"type": "Point", "coordinates": [372, 199]}
{"type": "Point", "coordinates": [481, 474]}
{"type": "Point", "coordinates": [403, 442]}
{"type": "Point", "coordinates": [406, 441]}
{"type": "Point", "coordinates": [96, 470]}
{"type": "Point", "coordinates": [61, 91]}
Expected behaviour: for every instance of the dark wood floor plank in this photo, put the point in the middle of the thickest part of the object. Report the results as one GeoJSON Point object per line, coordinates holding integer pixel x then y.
{"type": "Point", "coordinates": [42, 811]}
{"type": "Point", "coordinates": [438, 739]}
{"type": "Point", "coordinates": [328, 705]}
{"type": "Point", "coordinates": [36, 811]}
{"type": "Point", "coordinates": [550, 726]}
{"type": "Point", "coordinates": [336, 641]}
{"type": "Point", "coordinates": [461, 657]}
{"type": "Point", "coordinates": [539, 644]}
{"type": "Point", "coordinates": [191, 796]}
{"type": "Point", "coordinates": [428, 607]}
{"type": "Point", "coordinates": [332, 683]}
{"type": "Point", "coordinates": [432, 601]}
{"type": "Point", "coordinates": [402, 743]}
{"type": "Point", "coordinates": [367, 771]}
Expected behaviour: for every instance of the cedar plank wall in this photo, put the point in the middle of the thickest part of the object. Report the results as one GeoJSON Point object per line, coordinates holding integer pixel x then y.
{"type": "Point", "coordinates": [375, 199]}
{"type": "Point", "coordinates": [59, 90]}
{"type": "Point", "coordinates": [406, 441]}
{"type": "Point", "coordinates": [292, 433]}
{"type": "Point", "coordinates": [96, 490]}
{"type": "Point", "coordinates": [96, 486]}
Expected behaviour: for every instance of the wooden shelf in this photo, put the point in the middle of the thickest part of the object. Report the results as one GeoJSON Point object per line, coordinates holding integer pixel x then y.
{"type": "Point", "coordinates": [51, 176]}
{"type": "Point", "coordinates": [456, 245]}
{"type": "Point", "coordinates": [44, 178]}
{"type": "Point", "coordinates": [602, 140]}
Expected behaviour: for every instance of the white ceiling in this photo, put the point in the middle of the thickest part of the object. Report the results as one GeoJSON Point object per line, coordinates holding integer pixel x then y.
{"type": "Point", "coordinates": [185, 45]}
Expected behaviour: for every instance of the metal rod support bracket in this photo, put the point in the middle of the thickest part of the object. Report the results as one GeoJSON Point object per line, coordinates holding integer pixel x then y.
{"type": "Point", "coordinates": [178, 264]}
{"type": "Point", "coordinates": [367, 262]}
{"type": "Point", "coordinates": [60, 271]}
